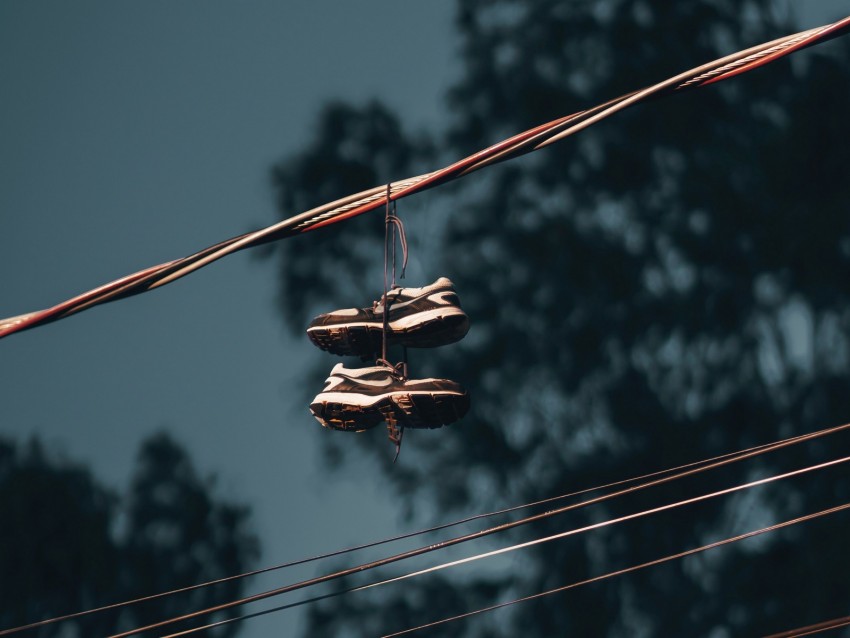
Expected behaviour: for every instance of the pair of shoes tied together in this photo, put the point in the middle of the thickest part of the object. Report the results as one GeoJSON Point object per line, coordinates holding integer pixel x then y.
{"type": "Point", "coordinates": [357, 399]}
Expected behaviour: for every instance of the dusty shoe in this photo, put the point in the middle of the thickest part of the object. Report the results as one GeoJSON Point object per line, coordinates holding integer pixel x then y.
{"type": "Point", "coordinates": [359, 399]}
{"type": "Point", "coordinates": [418, 318]}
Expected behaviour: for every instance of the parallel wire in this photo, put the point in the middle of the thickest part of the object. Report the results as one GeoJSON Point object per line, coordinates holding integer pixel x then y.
{"type": "Point", "coordinates": [524, 545]}
{"type": "Point", "coordinates": [817, 628]}
{"type": "Point", "coordinates": [683, 471]}
{"type": "Point", "coordinates": [385, 561]}
{"type": "Point", "coordinates": [370, 199]}
{"type": "Point", "coordinates": [634, 568]}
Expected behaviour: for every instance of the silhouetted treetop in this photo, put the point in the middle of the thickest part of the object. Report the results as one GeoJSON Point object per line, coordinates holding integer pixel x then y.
{"type": "Point", "coordinates": [68, 544]}
{"type": "Point", "coordinates": [667, 285]}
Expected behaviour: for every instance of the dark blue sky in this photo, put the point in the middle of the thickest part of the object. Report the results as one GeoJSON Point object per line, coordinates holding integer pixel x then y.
{"type": "Point", "coordinates": [135, 133]}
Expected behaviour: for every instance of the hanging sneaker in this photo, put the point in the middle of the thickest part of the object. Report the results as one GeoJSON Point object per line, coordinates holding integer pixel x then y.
{"type": "Point", "coordinates": [418, 318]}
{"type": "Point", "coordinates": [359, 399]}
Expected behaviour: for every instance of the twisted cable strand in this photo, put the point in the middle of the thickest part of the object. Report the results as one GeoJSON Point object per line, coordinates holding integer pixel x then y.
{"type": "Point", "coordinates": [365, 201]}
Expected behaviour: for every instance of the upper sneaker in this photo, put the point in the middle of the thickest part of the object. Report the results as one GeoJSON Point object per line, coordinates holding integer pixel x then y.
{"type": "Point", "coordinates": [417, 318]}
{"type": "Point", "coordinates": [359, 399]}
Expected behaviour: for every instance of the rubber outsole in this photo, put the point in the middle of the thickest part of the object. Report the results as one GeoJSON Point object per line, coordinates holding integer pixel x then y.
{"type": "Point", "coordinates": [366, 341]}
{"type": "Point", "coordinates": [426, 410]}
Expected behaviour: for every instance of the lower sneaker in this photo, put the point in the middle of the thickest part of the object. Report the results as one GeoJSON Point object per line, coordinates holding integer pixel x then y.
{"type": "Point", "coordinates": [358, 399]}
{"type": "Point", "coordinates": [417, 318]}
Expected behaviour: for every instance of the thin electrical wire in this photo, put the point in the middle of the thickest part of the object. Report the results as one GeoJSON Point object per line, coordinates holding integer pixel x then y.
{"type": "Point", "coordinates": [634, 568]}
{"type": "Point", "coordinates": [360, 568]}
{"type": "Point", "coordinates": [370, 199]}
{"type": "Point", "coordinates": [684, 470]}
{"type": "Point", "coordinates": [817, 628]}
{"type": "Point", "coordinates": [539, 595]}
{"type": "Point", "coordinates": [524, 545]}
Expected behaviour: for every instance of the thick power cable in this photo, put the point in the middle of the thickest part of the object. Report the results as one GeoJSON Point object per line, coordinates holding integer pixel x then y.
{"type": "Point", "coordinates": [385, 561]}
{"type": "Point", "coordinates": [524, 545]}
{"type": "Point", "coordinates": [684, 471]}
{"type": "Point", "coordinates": [635, 568]}
{"type": "Point", "coordinates": [371, 199]}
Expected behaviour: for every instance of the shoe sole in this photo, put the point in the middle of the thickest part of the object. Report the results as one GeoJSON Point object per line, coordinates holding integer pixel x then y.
{"type": "Point", "coordinates": [366, 339]}
{"type": "Point", "coordinates": [421, 410]}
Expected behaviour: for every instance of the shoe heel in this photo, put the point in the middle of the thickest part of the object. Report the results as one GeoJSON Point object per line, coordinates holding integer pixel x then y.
{"type": "Point", "coordinates": [435, 332]}
{"type": "Point", "coordinates": [430, 410]}
{"type": "Point", "coordinates": [349, 418]}
{"type": "Point", "coordinates": [344, 341]}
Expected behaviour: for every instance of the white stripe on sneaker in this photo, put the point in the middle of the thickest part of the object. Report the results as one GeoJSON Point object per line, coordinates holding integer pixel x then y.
{"type": "Point", "coordinates": [410, 321]}
{"type": "Point", "coordinates": [399, 324]}
{"type": "Point", "coordinates": [365, 400]}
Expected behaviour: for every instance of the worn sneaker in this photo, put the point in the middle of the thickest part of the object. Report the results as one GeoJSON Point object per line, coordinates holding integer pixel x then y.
{"type": "Point", "coordinates": [359, 399]}
{"type": "Point", "coordinates": [418, 318]}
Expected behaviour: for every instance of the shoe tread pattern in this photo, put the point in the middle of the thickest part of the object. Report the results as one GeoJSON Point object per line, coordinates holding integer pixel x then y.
{"type": "Point", "coordinates": [420, 411]}
{"type": "Point", "coordinates": [430, 410]}
{"type": "Point", "coordinates": [349, 418]}
{"type": "Point", "coordinates": [366, 341]}
{"type": "Point", "coordinates": [344, 340]}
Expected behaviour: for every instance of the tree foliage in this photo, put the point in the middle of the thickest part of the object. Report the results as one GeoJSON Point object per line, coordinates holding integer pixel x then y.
{"type": "Point", "coordinates": [69, 544]}
{"type": "Point", "coordinates": [666, 286]}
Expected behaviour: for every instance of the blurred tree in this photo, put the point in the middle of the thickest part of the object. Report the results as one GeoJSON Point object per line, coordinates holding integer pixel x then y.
{"type": "Point", "coordinates": [61, 549]}
{"type": "Point", "coordinates": [666, 286]}
{"type": "Point", "coordinates": [57, 552]}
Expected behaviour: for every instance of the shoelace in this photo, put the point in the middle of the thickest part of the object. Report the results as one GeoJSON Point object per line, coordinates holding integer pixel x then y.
{"type": "Point", "coordinates": [392, 222]}
{"type": "Point", "coordinates": [395, 220]}
{"type": "Point", "coordinates": [397, 370]}
{"type": "Point", "coordinates": [395, 430]}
